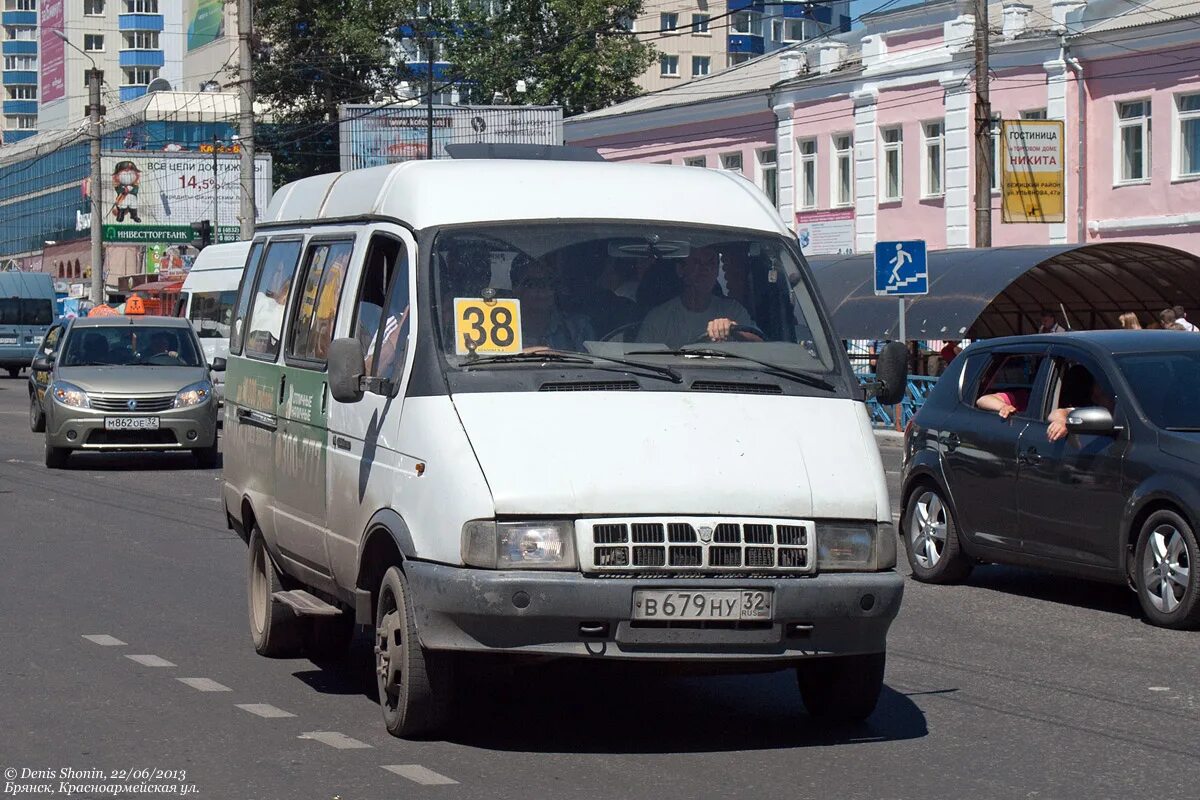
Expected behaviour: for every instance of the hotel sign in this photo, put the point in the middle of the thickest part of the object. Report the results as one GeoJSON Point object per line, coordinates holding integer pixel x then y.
{"type": "Point", "coordinates": [1032, 171]}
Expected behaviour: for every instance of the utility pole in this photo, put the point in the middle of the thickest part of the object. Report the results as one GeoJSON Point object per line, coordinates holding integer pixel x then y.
{"type": "Point", "coordinates": [983, 131]}
{"type": "Point", "coordinates": [216, 180]}
{"type": "Point", "coordinates": [429, 91]}
{"type": "Point", "coordinates": [94, 78]}
{"type": "Point", "coordinates": [245, 121]}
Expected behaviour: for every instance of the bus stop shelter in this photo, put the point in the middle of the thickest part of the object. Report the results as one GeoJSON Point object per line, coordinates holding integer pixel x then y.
{"type": "Point", "coordinates": [1003, 291]}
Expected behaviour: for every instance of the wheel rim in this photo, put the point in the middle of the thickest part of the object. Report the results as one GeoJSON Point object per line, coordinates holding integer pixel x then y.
{"type": "Point", "coordinates": [1166, 568]}
{"type": "Point", "coordinates": [927, 529]}
{"type": "Point", "coordinates": [258, 592]}
{"type": "Point", "coordinates": [389, 650]}
{"type": "Point", "coordinates": [33, 411]}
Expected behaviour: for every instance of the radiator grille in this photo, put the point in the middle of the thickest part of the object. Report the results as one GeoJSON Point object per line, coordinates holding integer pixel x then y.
{"type": "Point", "coordinates": [144, 404]}
{"type": "Point", "coordinates": [697, 547]}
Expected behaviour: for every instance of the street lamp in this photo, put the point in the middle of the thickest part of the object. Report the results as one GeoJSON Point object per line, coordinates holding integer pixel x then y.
{"type": "Point", "coordinates": [76, 47]}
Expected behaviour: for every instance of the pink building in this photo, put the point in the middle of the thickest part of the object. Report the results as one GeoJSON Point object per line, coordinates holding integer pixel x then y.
{"type": "Point", "coordinates": [868, 135]}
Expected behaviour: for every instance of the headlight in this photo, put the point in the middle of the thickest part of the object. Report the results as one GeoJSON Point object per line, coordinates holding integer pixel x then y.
{"type": "Point", "coordinates": [69, 395]}
{"type": "Point", "coordinates": [519, 545]}
{"type": "Point", "coordinates": [862, 546]}
{"type": "Point", "coordinates": [193, 395]}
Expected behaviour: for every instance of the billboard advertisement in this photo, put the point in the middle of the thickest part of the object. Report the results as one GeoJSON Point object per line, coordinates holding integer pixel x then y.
{"type": "Point", "coordinates": [53, 52]}
{"type": "Point", "coordinates": [374, 136]}
{"type": "Point", "coordinates": [1032, 177]}
{"type": "Point", "coordinates": [205, 21]}
{"type": "Point", "coordinates": [153, 198]}
{"type": "Point", "coordinates": [826, 233]}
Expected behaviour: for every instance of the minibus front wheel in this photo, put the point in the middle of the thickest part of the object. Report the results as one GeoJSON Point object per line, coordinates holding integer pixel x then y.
{"type": "Point", "coordinates": [415, 684]}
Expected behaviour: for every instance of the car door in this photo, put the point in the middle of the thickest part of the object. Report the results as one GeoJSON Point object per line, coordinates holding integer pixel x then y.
{"type": "Point", "coordinates": [300, 488]}
{"type": "Point", "coordinates": [366, 468]}
{"type": "Point", "coordinates": [979, 448]}
{"type": "Point", "coordinates": [1070, 492]}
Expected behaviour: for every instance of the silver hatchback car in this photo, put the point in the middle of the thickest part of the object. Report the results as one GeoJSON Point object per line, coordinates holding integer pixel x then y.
{"type": "Point", "coordinates": [129, 383]}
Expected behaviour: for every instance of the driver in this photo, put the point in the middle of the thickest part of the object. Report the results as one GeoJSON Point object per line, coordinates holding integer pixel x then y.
{"type": "Point", "coordinates": [160, 344]}
{"type": "Point", "coordinates": [697, 312]}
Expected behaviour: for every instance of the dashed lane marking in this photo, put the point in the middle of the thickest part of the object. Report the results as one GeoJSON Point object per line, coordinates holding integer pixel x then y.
{"type": "Point", "coordinates": [418, 774]}
{"type": "Point", "coordinates": [204, 684]}
{"type": "Point", "coordinates": [151, 661]}
{"type": "Point", "coordinates": [103, 639]}
{"type": "Point", "coordinates": [264, 710]}
{"type": "Point", "coordinates": [339, 741]}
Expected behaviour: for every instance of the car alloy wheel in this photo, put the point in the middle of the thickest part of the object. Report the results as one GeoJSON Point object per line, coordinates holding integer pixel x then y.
{"type": "Point", "coordinates": [927, 529]}
{"type": "Point", "coordinates": [1166, 568]}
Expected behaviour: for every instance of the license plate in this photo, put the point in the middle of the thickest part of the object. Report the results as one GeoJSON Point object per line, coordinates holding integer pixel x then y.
{"type": "Point", "coordinates": [8, 339]}
{"type": "Point", "coordinates": [131, 423]}
{"type": "Point", "coordinates": [732, 605]}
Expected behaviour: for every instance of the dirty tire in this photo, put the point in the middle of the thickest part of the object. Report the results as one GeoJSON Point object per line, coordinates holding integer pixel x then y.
{"type": "Point", "coordinates": [415, 684]}
{"type": "Point", "coordinates": [56, 457]}
{"type": "Point", "coordinates": [207, 457]}
{"type": "Point", "coordinates": [841, 689]}
{"type": "Point", "coordinates": [37, 419]}
{"type": "Point", "coordinates": [275, 629]}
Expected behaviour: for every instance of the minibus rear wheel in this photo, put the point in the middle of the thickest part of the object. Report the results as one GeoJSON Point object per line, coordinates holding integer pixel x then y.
{"type": "Point", "coordinates": [276, 630]}
{"type": "Point", "coordinates": [14, 372]}
{"type": "Point", "coordinates": [415, 684]}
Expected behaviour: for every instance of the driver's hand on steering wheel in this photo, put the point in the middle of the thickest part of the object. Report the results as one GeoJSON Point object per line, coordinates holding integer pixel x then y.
{"type": "Point", "coordinates": [719, 329]}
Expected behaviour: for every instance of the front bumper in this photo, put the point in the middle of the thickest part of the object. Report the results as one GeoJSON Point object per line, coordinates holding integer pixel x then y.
{"type": "Point", "coordinates": [480, 610]}
{"type": "Point", "coordinates": [88, 426]}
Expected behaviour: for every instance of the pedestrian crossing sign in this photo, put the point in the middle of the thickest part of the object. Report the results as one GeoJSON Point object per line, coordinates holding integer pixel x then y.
{"type": "Point", "coordinates": [901, 268]}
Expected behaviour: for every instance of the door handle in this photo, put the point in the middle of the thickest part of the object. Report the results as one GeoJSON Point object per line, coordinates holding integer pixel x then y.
{"type": "Point", "coordinates": [1031, 457]}
{"type": "Point", "coordinates": [953, 441]}
{"type": "Point", "coordinates": [282, 383]}
{"type": "Point", "coordinates": [257, 419]}
{"type": "Point", "coordinates": [340, 443]}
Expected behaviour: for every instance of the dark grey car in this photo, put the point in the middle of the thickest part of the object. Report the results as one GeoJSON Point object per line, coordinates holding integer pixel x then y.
{"type": "Point", "coordinates": [1117, 498]}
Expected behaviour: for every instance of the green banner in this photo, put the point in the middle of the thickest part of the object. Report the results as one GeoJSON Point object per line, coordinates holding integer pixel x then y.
{"type": "Point", "coordinates": [163, 234]}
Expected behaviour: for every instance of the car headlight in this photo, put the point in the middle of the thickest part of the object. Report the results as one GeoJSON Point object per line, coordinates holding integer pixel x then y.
{"type": "Point", "coordinates": [193, 395]}
{"type": "Point", "coordinates": [69, 394]}
{"type": "Point", "coordinates": [519, 545]}
{"type": "Point", "coordinates": [864, 546]}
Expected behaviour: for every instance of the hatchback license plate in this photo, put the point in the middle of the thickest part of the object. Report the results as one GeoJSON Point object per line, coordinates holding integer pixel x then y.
{"type": "Point", "coordinates": [131, 423]}
{"type": "Point", "coordinates": [731, 605]}
{"type": "Point", "coordinates": [8, 339]}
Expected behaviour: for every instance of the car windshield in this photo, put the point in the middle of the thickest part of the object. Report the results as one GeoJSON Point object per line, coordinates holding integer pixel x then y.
{"type": "Point", "coordinates": [130, 345]}
{"type": "Point", "coordinates": [212, 313]}
{"type": "Point", "coordinates": [646, 292]}
{"type": "Point", "coordinates": [1166, 386]}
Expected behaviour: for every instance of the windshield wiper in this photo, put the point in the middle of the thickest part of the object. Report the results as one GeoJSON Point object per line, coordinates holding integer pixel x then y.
{"type": "Point", "coordinates": [561, 357]}
{"type": "Point", "coordinates": [1185, 429]}
{"type": "Point", "coordinates": [772, 368]}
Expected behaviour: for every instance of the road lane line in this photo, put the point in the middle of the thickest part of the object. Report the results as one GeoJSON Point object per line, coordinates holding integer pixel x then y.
{"type": "Point", "coordinates": [104, 640]}
{"type": "Point", "coordinates": [204, 684]}
{"type": "Point", "coordinates": [339, 741]}
{"type": "Point", "coordinates": [264, 710]}
{"type": "Point", "coordinates": [151, 661]}
{"type": "Point", "coordinates": [418, 774]}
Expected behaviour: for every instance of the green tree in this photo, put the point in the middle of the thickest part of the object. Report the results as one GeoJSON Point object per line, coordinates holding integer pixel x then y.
{"type": "Point", "coordinates": [575, 53]}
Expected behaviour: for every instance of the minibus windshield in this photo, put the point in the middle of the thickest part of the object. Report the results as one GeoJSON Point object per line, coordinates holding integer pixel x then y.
{"type": "Point", "coordinates": [657, 293]}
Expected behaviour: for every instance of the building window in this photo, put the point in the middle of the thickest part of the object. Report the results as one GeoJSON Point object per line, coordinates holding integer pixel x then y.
{"type": "Point", "coordinates": [1034, 113]}
{"type": "Point", "coordinates": [893, 164]}
{"type": "Point", "coordinates": [1133, 141]}
{"type": "Point", "coordinates": [933, 165]}
{"type": "Point", "coordinates": [1188, 109]}
{"type": "Point", "coordinates": [843, 170]}
{"type": "Point", "coordinates": [776, 30]}
{"type": "Point", "coordinates": [793, 30]}
{"type": "Point", "coordinates": [20, 5]}
{"type": "Point", "coordinates": [808, 173]}
{"type": "Point", "coordinates": [20, 62]}
{"type": "Point", "coordinates": [22, 93]}
{"type": "Point", "coordinates": [668, 66]}
{"type": "Point", "coordinates": [93, 8]}
{"type": "Point", "coordinates": [668, 22]}
{"type": "Point", "coordinates": [701, 65]}
{"type": "Point", "coordinates": [93, 43]}
{"type": "Point", "coordinates": [140, 76]}
{"type": "Point", "coordinates": [22, 34]}
{"type": "Point", "coordinates": [770, 175]}
{"type": "Point", "coordinates": [141, 40]}
{"type": "Point", "coordinates": [746, 22]}
{"type": "Point", "coordinates": [700, 24]}
{"type": "Point", "coordinates": [141, 6]}
{"type": "Point", "coordinates": [731, 162]}
{"type": "Point", "coordinates": [696, 161]}
{"type": "Point", "coordinates": [26, 122]}
{"type": "Point", "coordinates": [738, 58]}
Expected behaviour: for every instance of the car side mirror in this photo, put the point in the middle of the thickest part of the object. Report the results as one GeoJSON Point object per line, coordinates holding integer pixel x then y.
{"type": "Point", "coordinates": [218, 364]}
{"type": "Point", "coordinates": [891, 373]}
{"type": "Point", "coordinates": [1092, 419]}
{"type": "Point", "coordinates": [346, 368]}
{"type": "Point", "coordinates": [42, 364]}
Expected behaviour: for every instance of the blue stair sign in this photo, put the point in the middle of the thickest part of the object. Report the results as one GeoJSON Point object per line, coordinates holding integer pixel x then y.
{"type": "Point", "coordinates": [901, 268]}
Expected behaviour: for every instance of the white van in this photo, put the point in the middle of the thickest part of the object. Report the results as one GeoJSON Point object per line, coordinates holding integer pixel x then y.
{"type": "Point", "coordinates": [208, 296]}
{"type": "Point", "coordinates": [448, 420]}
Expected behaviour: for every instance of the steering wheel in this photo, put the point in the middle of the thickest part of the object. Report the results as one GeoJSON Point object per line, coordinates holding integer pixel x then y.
{"type": "Point", "coordinates": [163, 360]}
{"type": "Point", "coordinates": [628, 326]}
{"type": "Point", "coordinates": [732, 330]}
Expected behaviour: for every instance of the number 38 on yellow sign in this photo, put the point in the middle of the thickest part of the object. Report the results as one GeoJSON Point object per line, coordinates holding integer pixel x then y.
{"type": "Point", "coordinates": [487, 327]}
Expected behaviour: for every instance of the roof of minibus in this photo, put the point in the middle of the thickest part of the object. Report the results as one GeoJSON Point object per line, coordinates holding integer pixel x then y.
{"type": "Point", "coordinates": [231, 255]}
{"type": "Point", "coordinates": [426, 194]}
{"type": "Point", "coordinates": [26, 284]}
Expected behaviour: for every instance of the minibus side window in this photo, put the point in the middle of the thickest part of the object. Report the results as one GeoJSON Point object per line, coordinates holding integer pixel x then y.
{"type": "Point", "coordinates": [270, 300]}
{"type": "Point", "coordinates": [383, 255]}
{"type": "Point", "coordinates": [392, 338]}
{"type": "Point", "coordinates": [245, 292]}
{"type": "Point", "coordinates": [312, 327]}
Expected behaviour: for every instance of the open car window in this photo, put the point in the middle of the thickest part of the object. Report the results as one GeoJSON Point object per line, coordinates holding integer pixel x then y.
{"type": "Point", "coordinates": [1012, 375]}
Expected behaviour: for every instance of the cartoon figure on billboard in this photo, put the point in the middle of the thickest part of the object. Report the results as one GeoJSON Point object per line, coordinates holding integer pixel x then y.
{"type": "Point", "coordinates": [125, 179]}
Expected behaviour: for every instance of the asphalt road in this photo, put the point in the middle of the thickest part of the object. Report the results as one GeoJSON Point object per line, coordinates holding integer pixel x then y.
{"type": "Point", "coordinates": [1013, 685]}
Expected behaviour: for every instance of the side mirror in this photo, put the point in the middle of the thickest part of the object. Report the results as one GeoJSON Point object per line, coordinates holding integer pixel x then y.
{"type": "Point", "coordinates": [1092, 419]}
{"type": "Point", "coordinates": [891, 372]}
{"type": "Point", "coordinates": [218, 364]}
{"type": "Point", "coordinates": [346, 368]}
{"type": "Point", "coordinates": [42, 364]}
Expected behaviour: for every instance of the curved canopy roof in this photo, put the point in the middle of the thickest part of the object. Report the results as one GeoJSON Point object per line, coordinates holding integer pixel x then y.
{"type": "Point", "coordinates": [1002, 291]}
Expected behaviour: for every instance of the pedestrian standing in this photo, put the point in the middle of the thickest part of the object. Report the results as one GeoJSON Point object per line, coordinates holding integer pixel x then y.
{"type": "Point", "coordinates": [1129, 321]}
{"type": "Point", "coordinates": [1166, 318]}
{"type": "Point", "coordinates": [1049, 323]}
{"type": "Point", "coordinates": [1181, 318]}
